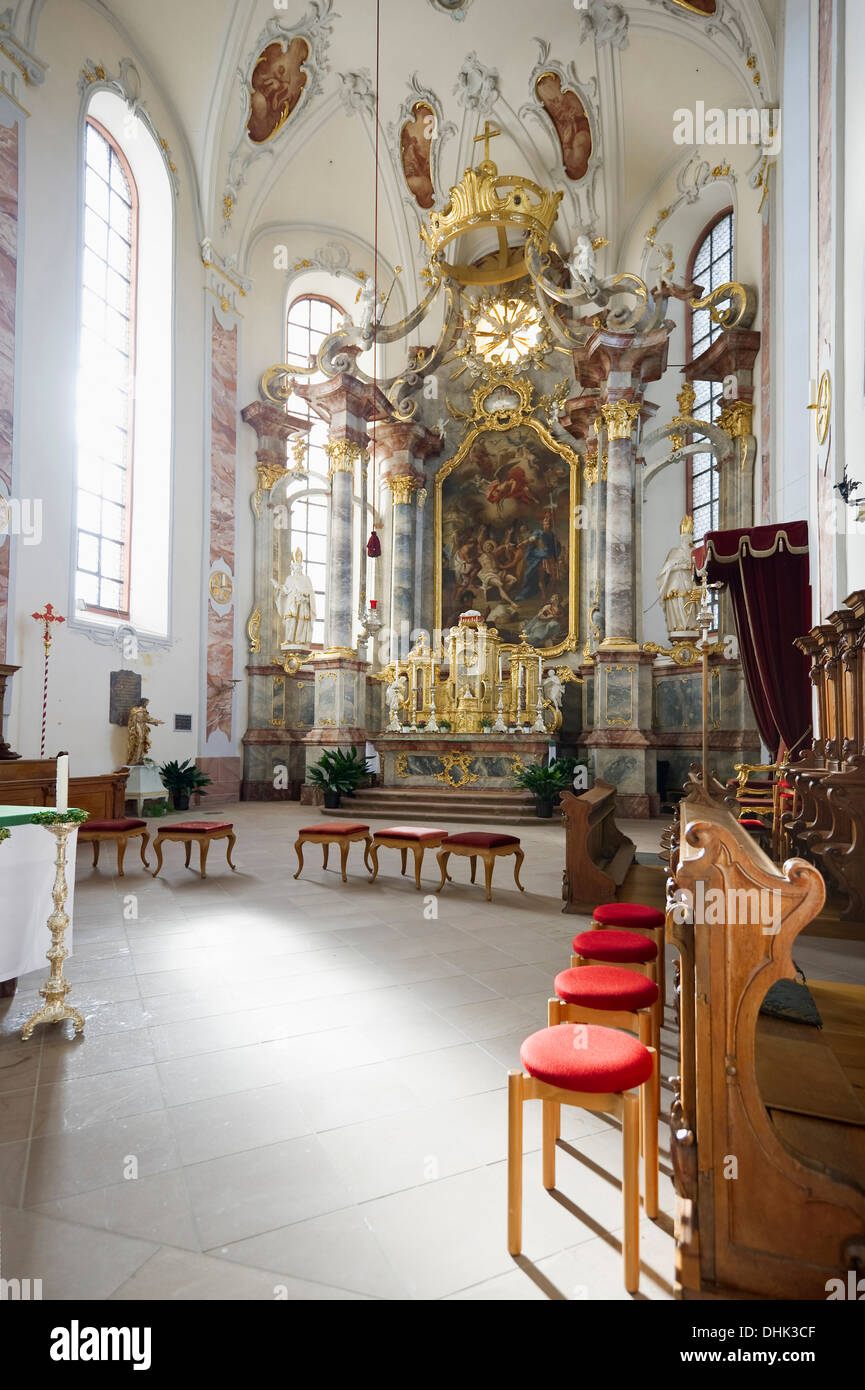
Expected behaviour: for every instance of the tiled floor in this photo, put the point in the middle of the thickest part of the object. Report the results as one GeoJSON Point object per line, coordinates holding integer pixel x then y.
{"type": "Point", "coordinates": [296, 1089]}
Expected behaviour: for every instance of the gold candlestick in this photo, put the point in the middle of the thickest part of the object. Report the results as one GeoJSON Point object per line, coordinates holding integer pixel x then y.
{"type": "Point", "coordinates": [54, 991]}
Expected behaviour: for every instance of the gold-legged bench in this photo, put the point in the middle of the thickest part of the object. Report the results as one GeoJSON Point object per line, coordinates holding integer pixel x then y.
{"type": "Point", "coordinates": [416, 838]}
{"type": "Point", "coordinates": [486, 845]}
{"type": "Point", "coordinates": [121, 831]}
{"type": "Point", "coordinates": [200, 832]}
{"type": "Point", "coordinates": [343, 833]}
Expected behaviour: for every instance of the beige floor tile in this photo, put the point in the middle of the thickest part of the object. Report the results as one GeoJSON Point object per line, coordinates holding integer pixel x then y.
{"type": "Point", "coordinates": [91, 1100]}
{"type": "Point", "coordinates": [73, 1262]}
{"type": "Point", "coordinates": [154, 1208]}
{"type": "Point", "coordinates": [177, 1275]}
{"type": "Point", "coordinates": [208, 1129]}
{"type": "Point", "coordinates": [62, 1165]}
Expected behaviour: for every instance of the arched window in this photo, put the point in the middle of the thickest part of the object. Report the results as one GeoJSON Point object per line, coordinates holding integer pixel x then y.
{"type": "Point", "coordinates": [106, 377]}
{"type": "Point", "coordinates": [124, 408]}
{"type": "Point", "coordinates": [310, 319]}
{"type": "Point", "coordinates": [711, 265]}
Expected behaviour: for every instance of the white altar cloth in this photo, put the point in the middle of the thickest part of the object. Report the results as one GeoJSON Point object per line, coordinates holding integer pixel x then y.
{"type": "Point", "coordinates": [26, 879]}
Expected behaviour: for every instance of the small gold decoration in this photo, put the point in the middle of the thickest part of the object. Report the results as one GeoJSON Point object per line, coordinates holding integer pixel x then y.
{"type": "Point", "coordinates": [403, 487]}
{"type": "Point", "coordinates": [735, 418]}
{"type": "Point", "coordinates": [458, 762]}
{"type": "Point", "coordinates": [620, 417]}
{"type": "Point", "coordinates": [342, 456]}
{"type": "Point", "coordinates": [401, 765]}
{"type": "Point", "coordinates": [422, 495]}
{"type": "Point", "coordinates": [683, 652]}
{"type": "Point", "coordinates": [268, 475]}
{"type": "Point", "coordinates": [221, 587]}
{"type": "Point", "coordinates": [740, 310]}
{"type": "Point", "coordinates": [823, 407]}
{"type": "Point", "coordinates": [253, 632]}
{"type": "Point", "coordinates": [686, 399]}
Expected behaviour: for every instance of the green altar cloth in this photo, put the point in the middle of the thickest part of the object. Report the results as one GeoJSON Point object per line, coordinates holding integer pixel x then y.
{"type": "Point", "coordinates": [21, 815]}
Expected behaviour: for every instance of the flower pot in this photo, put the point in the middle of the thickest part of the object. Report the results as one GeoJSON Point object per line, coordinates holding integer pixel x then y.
{"type": "Point", "coordinates": [180, 801]}
{"type": "Point", "coordinates": [331, 800]}
{"type": "Point", "coordinates": [543, 808]}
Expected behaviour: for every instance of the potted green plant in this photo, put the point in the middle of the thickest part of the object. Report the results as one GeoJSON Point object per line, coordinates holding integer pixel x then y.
{"type": "Point", "coordinates": [546, 782]}
{"type": "Point", "coordinates": [181, 780]}
{"type": "Point", "coordinates": [337, 774]}
{"type": "Point", "coordinates": [486, 723]}
{"type": "Point", "coordinates": [444, 725]}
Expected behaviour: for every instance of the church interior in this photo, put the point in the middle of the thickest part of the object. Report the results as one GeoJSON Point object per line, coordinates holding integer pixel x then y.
{"type": "Point", "coordinates": [451, 447]}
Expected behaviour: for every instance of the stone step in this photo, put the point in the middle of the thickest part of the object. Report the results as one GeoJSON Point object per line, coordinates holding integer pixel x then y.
{"type": "Point", "coordinates": [430, 804]}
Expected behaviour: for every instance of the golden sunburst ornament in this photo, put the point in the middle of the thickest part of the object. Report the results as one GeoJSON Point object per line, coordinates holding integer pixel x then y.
{"type": "Point", "coordinates": [504, 331]}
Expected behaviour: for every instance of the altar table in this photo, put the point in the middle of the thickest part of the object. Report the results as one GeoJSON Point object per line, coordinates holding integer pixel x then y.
{"type": "Point", "coordinates": [26, 879]}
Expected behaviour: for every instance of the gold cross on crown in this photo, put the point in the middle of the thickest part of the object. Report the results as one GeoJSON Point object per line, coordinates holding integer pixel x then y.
{"type": "Point", "coordinates": [486, 135]}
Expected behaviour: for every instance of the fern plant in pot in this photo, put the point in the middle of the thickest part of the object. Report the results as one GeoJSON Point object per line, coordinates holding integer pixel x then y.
{"type": "Point", "coordinates": [546, 783]}
{"type": "Point", "coordinates": [337, 774]}
{"type": "Point", "coordinates": [181, 780]}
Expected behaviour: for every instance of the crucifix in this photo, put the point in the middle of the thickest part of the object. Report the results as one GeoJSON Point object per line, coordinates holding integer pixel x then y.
{"type": "Point", "coordinates": [486, 135]}
{"type": "Point", "coordinates": [46, 618]}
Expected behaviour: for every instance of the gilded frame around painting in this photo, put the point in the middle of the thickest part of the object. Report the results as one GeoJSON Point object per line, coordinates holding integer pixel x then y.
{"type": "Point", "coordinates": [500, 421]}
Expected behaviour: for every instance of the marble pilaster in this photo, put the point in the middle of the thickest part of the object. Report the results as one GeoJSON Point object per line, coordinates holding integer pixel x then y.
{"type": "Point", "coordinates": [9, 157]}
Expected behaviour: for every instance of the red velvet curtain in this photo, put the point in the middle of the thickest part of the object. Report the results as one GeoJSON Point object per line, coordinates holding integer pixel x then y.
{"type": "Point", "coordinates": [765, 569]}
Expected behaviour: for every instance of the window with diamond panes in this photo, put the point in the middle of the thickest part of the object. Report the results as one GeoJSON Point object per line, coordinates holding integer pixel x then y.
{"type": "Point", "coordinates": [311, 319]}
{"type": "Point", "coordinates": [712, 265]}
{"type": "Point", "coordinates": [106, 377]}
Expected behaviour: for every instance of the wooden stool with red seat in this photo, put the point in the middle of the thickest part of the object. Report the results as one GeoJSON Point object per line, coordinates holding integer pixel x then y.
{"type": "Point", "coordinates": [488, 846]}
{"type": "Point", "coordinates": [416, 838]}
{"type": "Point", "coordinates": [342, 833]}
{"type": "Point", "coordinates": [121, 831]}
{"type": "Point", "coordinates": [200, 832]}
{"type": "Point", "coordinates": [594, 1068]}
{"type": "Point", "coordinates": [629, 951]}
{"type": "Point", "coordinates": [635, 917]}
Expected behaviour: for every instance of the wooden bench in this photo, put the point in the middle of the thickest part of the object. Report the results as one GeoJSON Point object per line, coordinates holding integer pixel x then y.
{"type": "Point", "coordinates": [597, 854]}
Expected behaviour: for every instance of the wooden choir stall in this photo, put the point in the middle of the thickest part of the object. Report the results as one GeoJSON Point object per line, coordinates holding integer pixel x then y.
{"type": "Point", "coordinates": [767, 1205]}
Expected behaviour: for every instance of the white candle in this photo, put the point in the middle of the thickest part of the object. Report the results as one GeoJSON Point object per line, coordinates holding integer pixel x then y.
{"type": "Point", "coordinates": [63, 783]}
{"type": "Point", "coordinates": [500, 669]}
{"type": "Point", "coordinates": [540, 670]}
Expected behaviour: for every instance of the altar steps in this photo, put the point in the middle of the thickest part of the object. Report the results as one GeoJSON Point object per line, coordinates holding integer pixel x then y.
{"type": "Point", "coordinates": [429, 805]}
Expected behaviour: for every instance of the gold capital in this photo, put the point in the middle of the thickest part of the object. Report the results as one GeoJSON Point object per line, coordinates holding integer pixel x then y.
{"type": "Point", "coordinates": [342, 456]}
{"type": "Point", "coordinates": [620, 417]}
{"type": "Point", "coordinates": [735, 418]}
{"type": "Point", "coordinates": [402, 487]}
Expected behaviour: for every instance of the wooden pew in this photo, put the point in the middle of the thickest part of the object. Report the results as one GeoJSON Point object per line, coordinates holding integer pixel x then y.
{"type": "Point", "coordinates": [597, 854]}
{"type": "Point", "coordinates": [790, 1221]}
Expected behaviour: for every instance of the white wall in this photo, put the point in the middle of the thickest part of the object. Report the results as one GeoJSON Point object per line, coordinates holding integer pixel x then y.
{"type": "Point", "coordinates": [49, 273]}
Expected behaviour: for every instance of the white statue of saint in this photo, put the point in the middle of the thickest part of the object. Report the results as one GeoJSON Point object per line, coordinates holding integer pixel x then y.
{"type": "Point", "coordinates": [663, 263]}
{"type": "Point", "coordinates": [676, 585]}
{"type": "Point", "coordinates": [553, 689]}
{"type": "Point", "coordinates": [582, 264]}
{"type": "Point", "coordinates": [396, 695]}
{"type": "Point", "coordinates": [367, 307]}
{"type": "Point", "coordinates": [295, 604]}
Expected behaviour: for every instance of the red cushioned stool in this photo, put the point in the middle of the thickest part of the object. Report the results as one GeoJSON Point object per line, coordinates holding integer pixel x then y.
{"type": "Point", "coordinates": [200, 832]}
{"type": "Point", "coordinates": [121, 831]}
{"type": "Point", "coordinates": [635, 917]}
{"type": "Point", "coordinates": [342, 833]}
{"type": "Point", "coordinates": [416, 838]}
{"type": "Point", "coordinates": [597, 1069]}
{"type": "Point", "coordinates": [484, 844]}
{"type": "Point", "coordinates": [628, 950]}
{"type": "Point", "coordinates": [615, 997]}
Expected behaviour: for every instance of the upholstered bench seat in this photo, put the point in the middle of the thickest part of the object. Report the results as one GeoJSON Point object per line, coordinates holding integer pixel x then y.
{"type": "Point", "coordinates": [606, 987]}
{"type": "Point", "coordinates": [615, 947]}
{"type": "Point", "coordinates": [121, 830]}
{"type": "Point", "coordinates": [417, 838]}
{"type": "Point", "coordinates": [333, 832]}
{"type": "Point", "coordinates": [485, 844]}
{"type": "Point", "coordinates": [200, 832]}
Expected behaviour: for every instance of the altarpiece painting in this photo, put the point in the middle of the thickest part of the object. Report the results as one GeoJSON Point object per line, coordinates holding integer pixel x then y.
{"type": "Point", "coordinates": [506, 541]}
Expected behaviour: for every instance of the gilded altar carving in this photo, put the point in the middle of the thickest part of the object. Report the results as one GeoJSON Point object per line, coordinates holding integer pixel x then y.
{"type": "Point", "coordinates": [253, 632]}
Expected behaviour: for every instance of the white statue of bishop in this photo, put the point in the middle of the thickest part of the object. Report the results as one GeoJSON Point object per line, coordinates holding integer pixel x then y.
{"type": "Point", "coordinates": [295, 604]}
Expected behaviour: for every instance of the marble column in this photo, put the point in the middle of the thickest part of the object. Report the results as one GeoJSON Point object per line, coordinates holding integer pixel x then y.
{"type": "Point", "coordinates": [620, 417]}
{"type": "Point", "coordinates": [345, 458]}
{"type": "Point", "coordinates": [401, 448]}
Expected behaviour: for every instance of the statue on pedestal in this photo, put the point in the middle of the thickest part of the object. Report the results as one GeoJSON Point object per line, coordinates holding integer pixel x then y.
{"type": "Point", "coordinates": [396, 695]}
{"type": "Point", "coordinates": [677, 587]}
{"type": "Point", "coordinates": [138, 733]}
{"type": "Point", "coordinates": [295, 604]}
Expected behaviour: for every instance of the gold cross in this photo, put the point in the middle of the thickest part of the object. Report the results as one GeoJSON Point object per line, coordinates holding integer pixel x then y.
{"type": "Point", "coordinates": [487, 134]}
